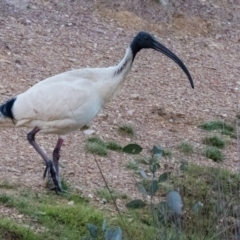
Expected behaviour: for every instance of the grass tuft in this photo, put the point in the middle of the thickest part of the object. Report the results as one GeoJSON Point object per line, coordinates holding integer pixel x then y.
{"type": "Point", "coordinates": [111, 145]}
{"type": "Point", "coordinates": [126, 129]}
{"type": "Point", "coordinates": [132, 165]}
{"type": "Point", "coordinates": [186, 147]}
{"type": "Point", "coordinates": [96, 140]}
{"type": "Point", "coordinates": [214, 141]}
{"type": "Point", "coordinates": [167, 153]}
{"type": "Point", "coordinates": [95, 148]}
{"type": "Point", "coordinates": [217, 125]}
{"type": "Point", "coordinates": [213, 153]}
{"type": "Point", "coordinates": [10, 230]}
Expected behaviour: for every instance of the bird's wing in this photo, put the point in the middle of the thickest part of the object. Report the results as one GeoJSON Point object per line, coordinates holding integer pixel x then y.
{"type": "Point", "coordinates": [56, 100]}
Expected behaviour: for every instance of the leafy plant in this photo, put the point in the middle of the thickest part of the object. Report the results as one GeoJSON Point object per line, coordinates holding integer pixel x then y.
{"type": "Point", "coordinates": [109, 233]}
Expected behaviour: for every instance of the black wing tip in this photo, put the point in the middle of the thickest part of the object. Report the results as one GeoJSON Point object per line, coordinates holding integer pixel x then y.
{"type": "Point", "coordinates": [6, 109]}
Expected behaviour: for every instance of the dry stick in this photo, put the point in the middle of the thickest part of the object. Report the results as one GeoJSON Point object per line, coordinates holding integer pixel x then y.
{"type": "Point", "coordinates": [114, 200]}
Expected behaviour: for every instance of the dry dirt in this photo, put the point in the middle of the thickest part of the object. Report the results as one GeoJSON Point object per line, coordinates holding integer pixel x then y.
{"type": "Point", "coordinates": [40, 38]}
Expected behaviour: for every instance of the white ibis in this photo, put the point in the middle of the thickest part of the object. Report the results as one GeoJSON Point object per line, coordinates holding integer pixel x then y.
{"type": "Point", "coordinates": [70, 100]}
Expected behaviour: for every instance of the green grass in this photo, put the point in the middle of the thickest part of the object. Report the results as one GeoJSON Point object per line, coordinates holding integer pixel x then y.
{"type": "Point", "coordinates": [126, 129]}
{"type": "Point", "coordinates": [217, 125]}
{"type": "Point", "coordinates": [132, 165]}
{"type": "Point", "coordinates": [7, 185]}
{"type": "Point", "coordinates": [186, 148]}
{"type": "Point", "coordinates": [104, 193]}
{"type": "Point", "coordinates": [214, 141]}
{"type": "Point", "coordinates": [220, 126]}
{"type": "Point", "coordinates": [95, 145]}
{"type": "Point", "coordinates": [217, 189]}
{"type": "Point", "coordinates": [11, 230]}
{"type": "Point", "coordinates": [111, 145]}
{"type": "Point", "coordinates": [213, 153]}
{"type": "Point", "coordinates": [167, 153]}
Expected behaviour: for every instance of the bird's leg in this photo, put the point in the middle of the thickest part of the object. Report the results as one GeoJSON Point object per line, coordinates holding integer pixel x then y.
{"type": "Point", "coordinates": [56, 156]}
{"type": "Point", "coordinates": [49, 165]}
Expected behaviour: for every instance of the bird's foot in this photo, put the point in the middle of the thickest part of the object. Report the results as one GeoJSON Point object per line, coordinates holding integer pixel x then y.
{"type": "Point", "coordinates": [50, 169]}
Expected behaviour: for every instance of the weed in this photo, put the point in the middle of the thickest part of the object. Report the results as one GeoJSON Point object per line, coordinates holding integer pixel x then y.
{"type": "Point", "coordinates": [167, 153]}
{"type": "Point", "coordinates": [104, 193]}
{"type": "Point", "coordinates": [5, 198]}
{"type": "Point", "coordinates": [217, 125]}
{"type": "Point", "coordinates": [214, 141]}
{"type": "Point", "coordinates": [213, 153]}
{"type": "Point", "coordinates": [186, 147]}
{"type": "Point", "coordinates": [127, 129]}
{"type": "Point", "coordinates": [132, 165]}
{"type": "Point", "coordinates": [96, 140]}
{"type": "Point", "coordinates": [10, 230]}
{"type": "Point", "coordinates": [96, 148]}
{"type": "Point", "coordinates": [7, 185]}
{"type": "Point", "coordinates": [111, 145]}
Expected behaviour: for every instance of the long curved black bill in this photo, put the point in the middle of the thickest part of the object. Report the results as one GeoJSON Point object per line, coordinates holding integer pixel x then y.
{"type": "Point", "coordinates": [161, 48]}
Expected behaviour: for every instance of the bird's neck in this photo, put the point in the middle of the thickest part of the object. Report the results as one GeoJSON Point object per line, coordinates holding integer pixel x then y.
{"type": "Point", "coordinates": [125, 65]}
{"type": "Point", "coordinates": [113, 84]}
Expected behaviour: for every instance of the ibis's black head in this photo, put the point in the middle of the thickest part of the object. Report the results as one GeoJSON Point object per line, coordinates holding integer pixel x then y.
{"type": "Point", "coordinates": [146, 40]}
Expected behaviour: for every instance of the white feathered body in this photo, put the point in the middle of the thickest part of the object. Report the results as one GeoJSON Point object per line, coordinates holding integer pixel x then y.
{"type": "Point", "coordinates": [70, 100]}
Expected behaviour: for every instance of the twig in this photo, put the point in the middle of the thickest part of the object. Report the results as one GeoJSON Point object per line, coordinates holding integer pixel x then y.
{"type": "Point", "coordinates": [113, 198]}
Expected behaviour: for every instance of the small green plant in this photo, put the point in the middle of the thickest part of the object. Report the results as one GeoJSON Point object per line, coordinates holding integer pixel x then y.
{"type": "Point", "coordinates": [111, 145]}
{"type": "Point", "coordinates": [104, 193]}
{"type": "Point", "coordinates": [65, 185]}
{"type": "Point", "coordinates": [186, 147]}
{"type": "Point", "coordinates": [96, 146]}
{"type": "Point", "coordinates": [109, 233]}
{"type": "Point", "coordinates": [132, 165]}
{"type": "Point", "coordinates": [126, 129]}
{"type": "Point", "coordinates": [214, 141]}
{"type": "Point", "coordinates": [7, 185]}
{"type": "Point", "coordinates": [220, 126]}
{"type": "Point", "coordinates": [97, 149]}
{"type": "Point", "coordinates": [217, 125]}
{"type": "Point", "coordinates": [10, 230]}
{"type": "Point", "coordinates": [96, 140]}
{"type": "Point", "coordinates": [213, 153]}
{"type": "Point", "coordinates": [167, 153]}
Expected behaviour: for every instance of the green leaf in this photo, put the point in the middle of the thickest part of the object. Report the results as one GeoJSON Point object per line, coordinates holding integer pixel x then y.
{"type": "Point", "coordinates": [157, 151]}
{"type": "Point", "coordinates": [132, 149]}
{"type": "Point", "coordinates": [174, 201]}
{"type": "Point", "coordinates": [93, 230]}
{"type": "Point", "coordinates": [153, 187]}
{"type": "Point", "coordinates": [135, 204]}
{"type": "Point", "coordinates": [153, 167]}
{"type": "Point", "coordinates": [113, 234]}
{"type": "Point", "coordinates": [142, 189]}
{"type": "Point", "coordinates": [104, 224]}
{"type": "Point", "coordinates": [163, 177]}
{"type": "Point", "coordinates": [144, 175]}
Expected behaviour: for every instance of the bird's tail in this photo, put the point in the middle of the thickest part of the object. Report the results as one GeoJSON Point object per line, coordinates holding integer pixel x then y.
{"type": "Point", "coordinates": [6, 114]}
